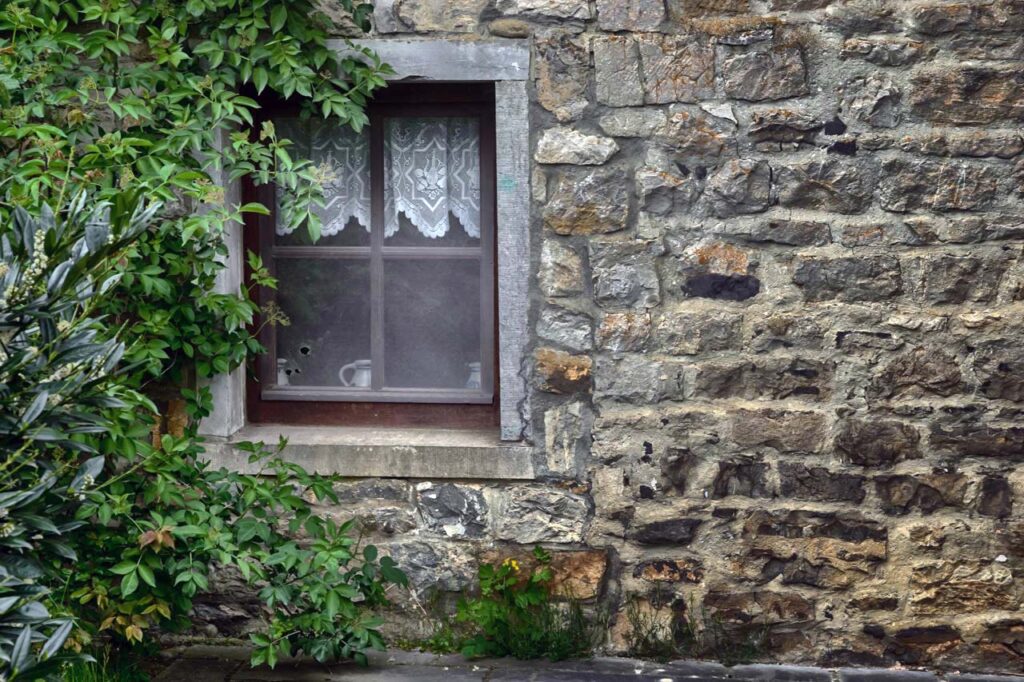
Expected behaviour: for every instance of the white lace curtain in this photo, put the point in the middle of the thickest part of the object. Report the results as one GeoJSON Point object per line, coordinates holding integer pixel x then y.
{"type": "Point", "coordinates": [431, 170]}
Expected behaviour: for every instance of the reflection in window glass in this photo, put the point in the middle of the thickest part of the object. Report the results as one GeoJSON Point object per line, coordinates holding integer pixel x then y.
{"type": "Point", "coordinates": [432, 323]}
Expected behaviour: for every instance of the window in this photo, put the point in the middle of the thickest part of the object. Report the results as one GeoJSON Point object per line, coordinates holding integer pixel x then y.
{"type": "Point", "coordinates": [392, 311]}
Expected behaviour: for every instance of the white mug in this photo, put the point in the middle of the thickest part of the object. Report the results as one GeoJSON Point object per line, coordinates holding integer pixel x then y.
{"type": "Point", "coordinates": [361, 374]}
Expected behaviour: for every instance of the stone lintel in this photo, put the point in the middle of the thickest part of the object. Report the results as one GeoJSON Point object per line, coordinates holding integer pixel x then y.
{"type": "Point", "coordinates": [448, 60]}
{"type": "Point", "coordinates": [387, 453]}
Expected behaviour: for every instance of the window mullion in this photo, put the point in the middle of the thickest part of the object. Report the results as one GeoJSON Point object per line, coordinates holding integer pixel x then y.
{"type": "Point", "coordinates": [376, 247]}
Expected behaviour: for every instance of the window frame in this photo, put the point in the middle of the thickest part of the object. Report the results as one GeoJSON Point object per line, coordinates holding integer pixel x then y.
{"type": "Point", "coordinates": [453, 408]}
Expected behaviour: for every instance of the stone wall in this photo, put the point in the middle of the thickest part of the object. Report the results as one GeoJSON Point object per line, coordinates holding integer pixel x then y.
{"type": "Point", "coordinates": [779, 313]}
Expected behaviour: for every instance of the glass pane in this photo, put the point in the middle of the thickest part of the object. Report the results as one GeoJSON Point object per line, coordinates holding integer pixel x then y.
{"type": "Point", "coordinates": [328, 305]}
{"type": "Point", "coordinates": [352, 235]}
{"type": "Point", "coordinates": [432, 323]}
{"type": "Point", "coordinates": [342, 157]}
{"type": "Point", "coordinates": [432, 181]}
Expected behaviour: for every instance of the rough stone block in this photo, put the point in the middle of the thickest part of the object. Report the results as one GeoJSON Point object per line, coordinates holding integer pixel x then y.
{"type": "Point", "coordinates": [740, 187]}
{"type": "Point", "coordinates": [949, 279]}
{"type": "Point", "coordinates": [779, 231]}
{"type": "Point", "coordinates": [744, 476]}
{"type": "Point", "coordinates": [759, 75]}
{"type": "Point", "coordinates": [873, 99]}
{"type": "Point", "coordinates": [908, 185]}
{"type": "Point", "coordinates": [877, 442]}
{"type": "Point", "coordinates": [969, 95]}
{"type": "Point", "coordinates": [676, 69]}
{"type": "Point", "coordinates": [565, 145]}
{"type": "Point", "coordinates": [1001, 372]}
{"type": "Point", "coordinates": [561, 270]}
{"type": "Point", "coordinates": [566, 328]}
{"type": "Point", "coordinates": [528, 515]}
{"type": "Point", "coordinates": [784, 430]}
{"type": "Point", "coordinates": [867, 278]}
{"type": "Point", "coordinates": [775, 378]}
{"type": "Point", "coordinates": [902, 494]}
{"type": "Point", "coordinates": [617, 69]}
{"type": "Point", "coordinates": [589, 202]}
{"type": "Point", "coordinates": [883, 51]}
{"type": "Point", "coordinates": [802, 482]}
{"type": "Point", "coordinates": [690, 333]}
{"type": "Point", "coordinates": [455, 511]}
{"type": "Point", "coordinates": [759, 606]}
{"type": "Point", "coordinates": [559, 9]}
{"type": "Point", "coordinates": [974, 439]}
{"type": "Point", "coordinates": [783, 129]}
{"type": "Point", "coordinates": [624, 274]}
{"type": "Point", "coordinates": [630, 15]}
{"type": "Point", "coordinates": [638, 122]}
{"type": "Point", "coordinates": [453, 16]}
{"type": "Point", "coordinates": [828, 185]}
{"type": "Point", "coordinates": [637, 379]}
{"type": "Point", "coordinates": [624, 332]}
{"type": "Point", "coordinates": [563, 72]}
{"type": "Point", "coordinates": [560, 372]}
{"type": "Point", "coordinates": [821, 549]}
{"type": "Point", "coordinates": [697, 134]}
{"type": "Point", "coordinates": [567, 436]}
{"type": "Point", "coordinates": [665, 532]}
{"type": "Point", "coordinates": [916, 373]}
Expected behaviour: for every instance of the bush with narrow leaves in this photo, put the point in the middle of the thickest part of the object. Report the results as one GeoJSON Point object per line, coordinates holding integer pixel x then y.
{"type": "Point", "coordinates": [57, 384]}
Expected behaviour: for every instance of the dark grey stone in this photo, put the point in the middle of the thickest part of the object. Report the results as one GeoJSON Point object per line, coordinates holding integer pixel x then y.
{"type": "Point", "coordinates": [453, 510]}
{"type": "Point", "coordinates": [884, 675]}
{"type": "Point", "coordinates": [779, 673]}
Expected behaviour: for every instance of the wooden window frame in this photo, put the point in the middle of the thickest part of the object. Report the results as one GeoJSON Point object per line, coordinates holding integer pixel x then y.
{"type": "Point", "coordinates": [380, 407]}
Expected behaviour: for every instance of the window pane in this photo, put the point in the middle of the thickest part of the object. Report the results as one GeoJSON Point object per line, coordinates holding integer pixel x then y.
{"type": "Point", "coordinates": [352, 235]}
{"type": "Point", "coordinates": [342, 157]}
{"type": "Point", "coordinates": [432, 323]}
{"type": "Point", "coordinates": [432, 181]}
{"type": "Point", "coordinates": [328, 305]}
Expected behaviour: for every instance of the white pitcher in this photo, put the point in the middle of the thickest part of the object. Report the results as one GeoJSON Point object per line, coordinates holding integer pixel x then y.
{"type": "Point", "coordinates": [361, 374]}
{"type": "Point", "coordinates": [474, 375]}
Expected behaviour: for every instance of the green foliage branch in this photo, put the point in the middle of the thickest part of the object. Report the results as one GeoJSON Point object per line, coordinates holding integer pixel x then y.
{"type": "Point", "coordinates": [159, 96]}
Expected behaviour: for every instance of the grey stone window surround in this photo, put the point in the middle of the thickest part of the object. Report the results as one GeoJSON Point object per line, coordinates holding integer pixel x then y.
{"type": "Point", "coordinates": [423, 453]}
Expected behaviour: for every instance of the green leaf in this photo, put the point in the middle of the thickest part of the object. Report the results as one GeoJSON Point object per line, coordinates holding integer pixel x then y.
{"type": "Point", "coordinates": [129, 583]}
{"type": "Point", "coordinates": [254, 207]}
{"type": "Point", "coordinates": [278, 17]}
{"type": "Point", "coordinates": [123, 568]}
{"type": "Point", "coordinates": [146, 573]}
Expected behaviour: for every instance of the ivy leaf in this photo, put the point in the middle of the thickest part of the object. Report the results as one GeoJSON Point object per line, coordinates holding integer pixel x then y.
{"type": "Point", "coordinates": [278, 17]}
{"type": "Point", "coordinates": [129, 583]}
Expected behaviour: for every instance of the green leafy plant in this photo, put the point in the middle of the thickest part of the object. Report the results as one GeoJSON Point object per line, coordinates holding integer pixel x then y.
{"type": "Point", "coordinates": [160, 97]}
{"type": "Point", "coordinates": [318, 582]}
{"type": "Point", "coordinates": [57, 382]}
{"type": "Point", "coordinates": [516, 615]}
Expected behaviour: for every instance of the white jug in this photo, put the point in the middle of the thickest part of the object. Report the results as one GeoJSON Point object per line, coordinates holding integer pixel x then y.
{"type": "Point", "coordinates": [361, 374]}
{"type": "Point", "coordinates": [474, 375]}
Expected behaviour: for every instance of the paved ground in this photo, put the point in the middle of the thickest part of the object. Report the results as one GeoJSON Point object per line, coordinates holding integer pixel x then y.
{"type": "Point", "coordinates": [227, 664]}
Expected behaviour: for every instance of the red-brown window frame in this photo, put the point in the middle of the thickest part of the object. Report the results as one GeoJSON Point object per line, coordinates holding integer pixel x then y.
{"type": "Point", "coordinates": [419, 99]}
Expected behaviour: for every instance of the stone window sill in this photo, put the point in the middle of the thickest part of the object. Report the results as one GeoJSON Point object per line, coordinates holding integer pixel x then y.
{"type": "Point", "coordinates": [384, 453]}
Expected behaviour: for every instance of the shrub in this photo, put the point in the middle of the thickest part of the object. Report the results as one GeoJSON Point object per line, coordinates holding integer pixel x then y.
{"type": "Point", "coordinates": [317, 581]}
{"type": "Point", "coordinates": [516, 615]}
{"type": "Point", "coordinates": [56, 384]}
